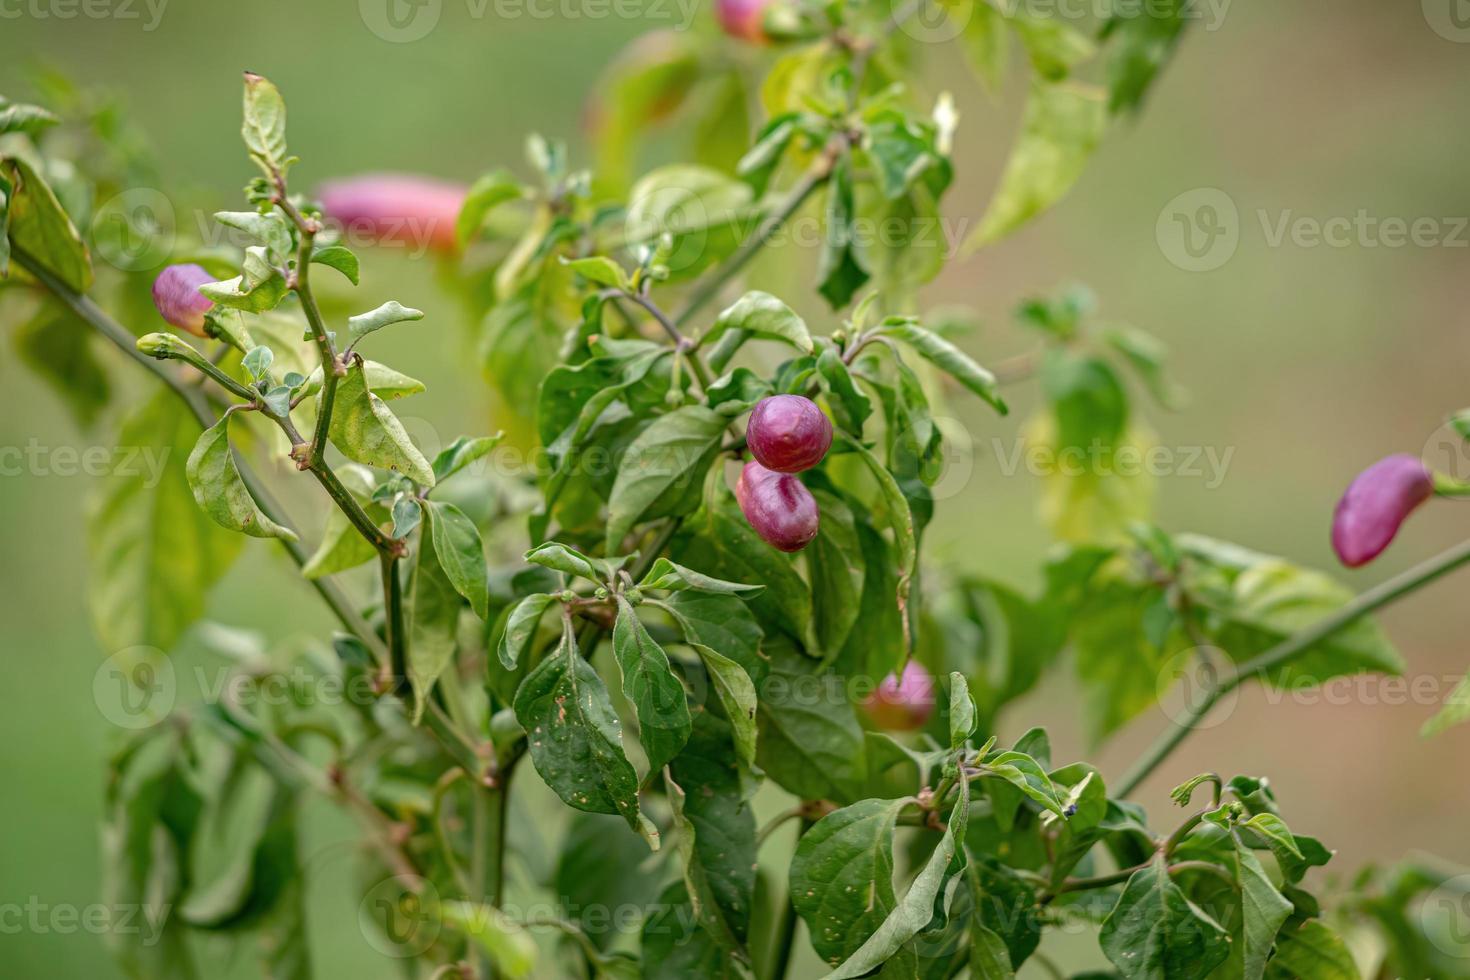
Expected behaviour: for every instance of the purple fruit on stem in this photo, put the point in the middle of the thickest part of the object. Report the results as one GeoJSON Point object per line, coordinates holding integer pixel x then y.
{"type": "Point", "coordinates": [788, 433]}
{"type": "Point", "coordinates": [902, 702]}
{"type": "Point", "coordinates": [178, 299]}
{"type": "Point", "coordinates": [778, 506]}
{"type": "Point", "coordinates": [1375, 504]}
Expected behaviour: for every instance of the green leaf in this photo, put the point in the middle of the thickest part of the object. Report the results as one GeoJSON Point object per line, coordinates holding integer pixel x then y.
{"type": "Point", "coordinates": [717, 836]}
{"type": "Point", "coordinates": [1274, 830]}
{"type": "Point", "coordinates": [521, 627]}
{"type": "Point", "coordinates": [269, 230]}
{"type": "Point", "coordinates": [839, 273]}
{"type": "Point", "coordinates": [39, 226]}
{"type": "Point", "coordinates": [836, 571]}
{"type": "Point", "coordinates": [721, 622]}
{"type": "Point", "coordinates": [962, 720]}
{"type": "Point", "coordinates": [264, 128]}
{"type": "Point", "coordinates": [1143, 39]}
{"type": "Point", "coordinates": [901, 519]}
{"type": "Point", "coordinates": [650, 686]}
{"type": "Point", "coordinates": [842, 876]}
{"type": "Point", "coordinates": [462, 452]}
{"type": "Point", "coordinates": [661, 472]}
{"type": "Point", "coordinates": [574, 738]}
{"type": "Point", "coordinates": [461, 553]}
{"type": "Point", "coordinates": [486, 194]}
{"type": "Point", "coordinates": [390, 312]}
{"type": "Point", "coordinates": [850, 407]}
{"type": "Point", "coordinates": [759, 163]}
{"type": "Point", "coordinates": [17, 117]}
{"type": "Point", "coordinates": [677, 947]}
{"type": "Point", "coordinates": [676, 578]}
{"type": "Point", "coordinates": [947, 357]}
{"type": "Point", "coordinates": [600, 270]}
{"type": "Point", "coordinates": [920, 903]}
{"type": "Point", "coordinates": [366, 430]}
{"type": "Point", "coordinates": [1053, 47]}
{"type": "Point", "coordinates": [1007, 904]}
{"type": "Point", "coordinates": [433, 621]}
{"type": "Point", "coordinates": [218, 489]}
{"type": "Point", "coordinates": [154, 554]}
{"type": "Point", "coordinates": [1146, 355]}
{"type": "Point", "coordinates": [1061, 128]}
{"type": "Point", "coordinates": [1263, 910]}
{"type": "Point", "coordinates": [762, 315]}
{"type": "Point", "coordinates": [1088, 401]}
{"type": "Point", "coordinates": [239, 293]}
{"type": "Point", "coordinates": [1026, 774]}
{"type": "Point", "coordinates": [810, 741]}
{"type": "Point", "coordinates": [1454, 711]}
{"type": "Point", "coordinates": [1156, 933]}
{"type": "Point", "coordinates": [1311, 951]}
{"type": "Point", "coordinates": [563, 558]}
{"type": "Point", "coordinates": [338, 257]}
{"type": "Point", "coordinates": [507, 943]}
{"type": "Point", "coordinates": [1270, 599]}
{"type": "Point", "coordinates": [342, 545]}
{"type": "Point", "coordinates": [703, 210]}
{"type": "Point", "coordinates": [989, 959]}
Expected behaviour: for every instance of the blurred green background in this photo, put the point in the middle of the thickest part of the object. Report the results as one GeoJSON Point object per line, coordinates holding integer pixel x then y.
{"type": "Point", "coordinates": [1305, 362]}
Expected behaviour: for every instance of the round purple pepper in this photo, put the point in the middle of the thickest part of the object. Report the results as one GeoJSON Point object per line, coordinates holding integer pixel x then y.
{"type": "Point", "coordinates": [1375, 504]}
{"type": "Point", "coordinates": [788, 433]}
{"type": "Point", "coordinates": [178, 299]}
{"type": "Point", "coordinates": [779, 506]}
{"type": "Point", "coordinates": [744, 19]}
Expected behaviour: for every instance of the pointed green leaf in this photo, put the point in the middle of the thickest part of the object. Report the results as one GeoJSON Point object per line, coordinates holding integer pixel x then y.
{"type": "Point", "coordinates": [40, 227]}
{"type": "Point", "coordinates": [1263, 910]}
{"type": "Point", "coordinates": [675, 578]}
{"type": "Point", "coordinates": [574, 738]}
{"type": "Point", "coordinates": [461, 553]}
{"type": "Point", "coordinates": [650, 686]}
{"type": "Point", "coordinates": [520, 628]}
{"type": "Point", "coordinates": [1154, 932]}
{"type": "Point", "coordinates": [663, 469]}
{"type": "Point", "coordinates": [366, 430]}
{"type": "Point", "coordinates": [264, 127]}
{"type": "Point", "coordinates": [218, 489]}
{"type": "Point", "coordinates": [462, 452]}
{"type": "Point", "coordinates": [338, 257]}
{"type": "Point", "coordinates": [390, 312]}
{"type": "Point", "coordinates": [947, 357]}
{"type": "Point", "coordinates": [762, 315]}
{"type": "Point", "coordinates": [433, 622]}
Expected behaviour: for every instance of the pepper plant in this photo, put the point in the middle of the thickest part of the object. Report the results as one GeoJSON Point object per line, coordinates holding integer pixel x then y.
{"type": "Point", "coordinates": [568, 691]}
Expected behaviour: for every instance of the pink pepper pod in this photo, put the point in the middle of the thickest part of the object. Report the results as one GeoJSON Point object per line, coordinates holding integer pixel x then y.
{"type": "Point", "coordinates": [778, 506]}
{"type": "Point", "coordinates": [400, 209]}
{"type": "Point", "coordinates": [1375, 504]}
{"type": "Point", "coordinates": [788, 433]}
{"type": "Point", "coordinates": [178, 299]}
{"type": "Point", "coordinates": [744, 19]}
{"type": "Point", "coordinates": [903, 702]}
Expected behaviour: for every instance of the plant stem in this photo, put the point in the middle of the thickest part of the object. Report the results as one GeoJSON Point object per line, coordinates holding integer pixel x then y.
{"type": "Point", "coordinates": [97, 319]}
{"type": "Point", "coordinates": [785, 938]}
{"type": "Point", "coordinates": [300, 281]}
{"type": "Point", "coordinates": [709, 287]}
{"type": "Point", "coordinates": [1290, 649]}
{"type": "Point", "coordinates": [682, 344]}
{"type": "Point", "coordinates": [393, 614]}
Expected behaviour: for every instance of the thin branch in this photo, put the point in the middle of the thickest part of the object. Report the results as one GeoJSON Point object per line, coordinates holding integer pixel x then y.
{"type": "Point", "coordinates": [99, 320]}
{"type": "Point", "coordinates": [1290, 649]}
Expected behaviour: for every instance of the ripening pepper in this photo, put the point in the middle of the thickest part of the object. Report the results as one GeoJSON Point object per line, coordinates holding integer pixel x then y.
{"type": "Point", "coordinates": [178, 299]}
{"type": "Point", "coordinates": [1375, 504]}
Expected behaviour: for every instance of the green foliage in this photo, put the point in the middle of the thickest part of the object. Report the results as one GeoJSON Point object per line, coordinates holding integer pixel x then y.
{"type": "Point", "coordinates": [920, 855]}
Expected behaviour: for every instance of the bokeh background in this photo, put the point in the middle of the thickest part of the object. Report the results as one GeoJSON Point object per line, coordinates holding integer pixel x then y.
{"type": "Point", "coordinates": [1305, 362]}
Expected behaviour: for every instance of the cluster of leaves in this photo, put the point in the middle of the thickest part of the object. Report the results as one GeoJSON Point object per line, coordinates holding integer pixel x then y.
{"type": "Point", "coordinates": [736, 665]}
